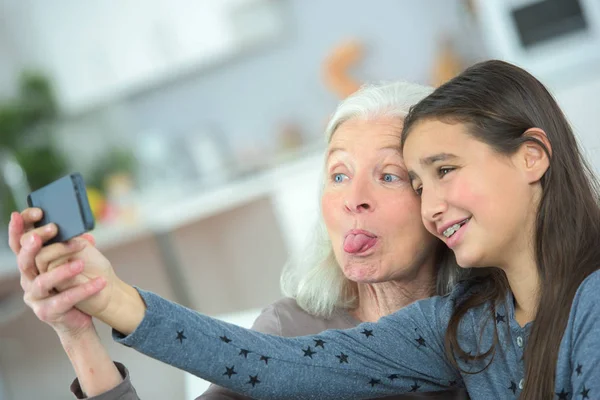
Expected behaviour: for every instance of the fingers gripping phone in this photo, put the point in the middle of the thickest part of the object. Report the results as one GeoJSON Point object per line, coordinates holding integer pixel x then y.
{"type": "Point", "coordinates": [64, 202]}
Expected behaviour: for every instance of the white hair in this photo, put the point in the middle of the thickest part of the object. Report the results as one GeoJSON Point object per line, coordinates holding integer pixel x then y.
{"type": "Point", "coordinates": [314, 277]}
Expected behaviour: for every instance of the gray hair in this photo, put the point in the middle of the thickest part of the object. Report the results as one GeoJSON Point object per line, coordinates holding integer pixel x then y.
{"type": "Point", "coordinates": [314, 277]}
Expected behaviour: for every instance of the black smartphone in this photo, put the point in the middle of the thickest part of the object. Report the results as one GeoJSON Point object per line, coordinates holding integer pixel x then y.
{"type": "Point", "coordinates": [64, 203]}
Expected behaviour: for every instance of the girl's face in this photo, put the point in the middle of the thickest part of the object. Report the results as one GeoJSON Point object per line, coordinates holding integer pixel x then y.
{"type": "Point", "coordinates": [476, 200]}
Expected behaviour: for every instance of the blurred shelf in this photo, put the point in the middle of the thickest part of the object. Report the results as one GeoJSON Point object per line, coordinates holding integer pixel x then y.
{"type": "Point", "coordinates": [162, 213]}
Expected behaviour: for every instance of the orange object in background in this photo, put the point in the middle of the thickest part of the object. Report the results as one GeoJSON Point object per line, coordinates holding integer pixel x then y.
{"type": "Point", "coordinates": [447, 64]}
{"type": "Point", "coordinates": [337, 65]}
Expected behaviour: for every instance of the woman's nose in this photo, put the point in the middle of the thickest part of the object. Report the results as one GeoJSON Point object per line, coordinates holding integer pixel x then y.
{"type": "Point", "coordinates": [360, 198]}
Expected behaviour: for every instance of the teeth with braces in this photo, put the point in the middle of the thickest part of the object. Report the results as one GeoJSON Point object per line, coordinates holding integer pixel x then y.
{"type": "Point", "coordinates": [450, 231]}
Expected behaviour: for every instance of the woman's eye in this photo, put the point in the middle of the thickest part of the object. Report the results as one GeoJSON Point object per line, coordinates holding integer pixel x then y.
{"type": "Point", "coordinates": [390, 178]}
{"type": "Point", "coordinates": [419, 190]}
{"type": "Point", "coordinates": [339, 178]}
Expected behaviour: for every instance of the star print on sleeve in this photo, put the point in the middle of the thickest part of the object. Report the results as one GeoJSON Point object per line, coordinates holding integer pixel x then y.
{"type": "Point", "coordinates": [236, 358]}
{"type": "Point", "coordinates": [308, 352]}
{"type": "Point", "coordinates": [265, 359]}
{"type": "Point", "coordinates": [230, 371]}
{"type": "Point", "coordinates": [180, 336]}
{"type": "Point", "coordinates": [578, 369]}
{"type": "Point", "coordinates": [415, 387]}
{"type": "Point", "coordinates": [585, 393]}
{"type": "Point", "coordinates": [244, 352]}
{"type": "Point", "coordinates": [253, 380]}
{"type": "Point", "coordinates": [374, 382]}
{"type": "Point", "coordinates": [367, 332]}
{"type": "Point", "coordinates": [225, 339]}
{"type": "Point", "coordinates": [499, 318]}
{"type": "Point", "coordinates": [421, 340]}
{"type": "Point", "coordinates": [563, 395]}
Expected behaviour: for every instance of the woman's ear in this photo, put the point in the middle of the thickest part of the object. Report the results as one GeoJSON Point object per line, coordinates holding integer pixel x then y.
{"type": "Point", "coordinates": [534, 155]}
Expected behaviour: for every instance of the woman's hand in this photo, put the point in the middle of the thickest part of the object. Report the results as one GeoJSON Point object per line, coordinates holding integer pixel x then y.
{"type": "Point", "coordinates": [26, 242]}
{"type": "Point", "coordinates": [117, 304]}
{"type": "Point", "coordinates": [95, 370]}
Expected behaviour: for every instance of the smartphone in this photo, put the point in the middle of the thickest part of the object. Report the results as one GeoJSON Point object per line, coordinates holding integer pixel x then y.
{"type": "Point", "coordinates": [64, 203]}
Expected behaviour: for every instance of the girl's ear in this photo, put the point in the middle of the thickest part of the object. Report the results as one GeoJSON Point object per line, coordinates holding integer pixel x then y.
{"type": "Point", "coordinates": [533, 157]}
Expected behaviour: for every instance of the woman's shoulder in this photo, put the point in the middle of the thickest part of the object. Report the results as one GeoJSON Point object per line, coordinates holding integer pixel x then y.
{"type": "Point", "coordinates": [291, 320]}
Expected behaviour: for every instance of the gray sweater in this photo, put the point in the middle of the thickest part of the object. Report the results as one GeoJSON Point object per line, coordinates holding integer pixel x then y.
{"type": "Point", "coordinates": [403, 352]}
{"type": "Point", "coordinates": [286, 318]}
{"type": "Point", "coordinates": [282, 318]}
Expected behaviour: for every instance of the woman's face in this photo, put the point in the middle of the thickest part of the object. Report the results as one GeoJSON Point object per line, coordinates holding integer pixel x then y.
{"type": "Point", "coordinates": [474, 199]}
{"type": "Point", "coordinates": [371, 212]}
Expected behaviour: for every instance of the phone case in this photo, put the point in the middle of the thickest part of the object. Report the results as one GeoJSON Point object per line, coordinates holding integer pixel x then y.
{"type": "Point", "coordinates": [65, 203]}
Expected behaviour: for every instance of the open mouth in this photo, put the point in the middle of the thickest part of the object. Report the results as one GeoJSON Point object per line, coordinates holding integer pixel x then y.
{"type": "Point", "coordinates": [452, 230]}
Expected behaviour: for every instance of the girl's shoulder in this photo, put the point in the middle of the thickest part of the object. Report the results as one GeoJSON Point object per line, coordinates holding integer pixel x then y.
{"type": "Point", "coordinates": [588, 293]}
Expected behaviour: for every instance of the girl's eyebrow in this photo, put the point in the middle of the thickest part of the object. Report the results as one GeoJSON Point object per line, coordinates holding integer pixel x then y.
{"type": "Point", "coordinates": [428, 161]}
{"type": "Point", "coordinates": [437, 157]}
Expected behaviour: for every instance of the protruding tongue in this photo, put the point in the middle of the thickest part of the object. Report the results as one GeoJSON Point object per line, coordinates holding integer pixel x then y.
{"type": "Point", "coordinates": [357, 243]}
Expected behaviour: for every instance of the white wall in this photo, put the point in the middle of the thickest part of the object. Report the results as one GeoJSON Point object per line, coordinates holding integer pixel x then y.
{"type": "Point", "coordinates": [579, 101]}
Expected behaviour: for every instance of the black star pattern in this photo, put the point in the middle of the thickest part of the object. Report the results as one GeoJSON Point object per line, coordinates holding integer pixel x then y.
{"type": "Point", "coordinates": [320, 343]}
{"type": "Point", "coordinates": [578, 369]}
{"type": "Point", "coordinates": [499, 318]}
{"type": "Point", "coordinates": [374, 382]}
{"type": "Point", "coordinates": [367, 332]}
{"type": "Point", "coordinates": [253, 380]}
{"type": "Point", "coordinates": [585, 393]}
{"type": "Point", "coordinates": [392, 377]}
{"type": "Point", "coordinates": [230, 371]}
{"type": "Point", "coordinates": [453, 383]}
{"type": "Point", "coordinates": [265, 359]}
{"type": "Point", "coordinates": [308, 352]}
{"type": "Point", "coordinates": [180, 336]}
{"type": "Point", "coordinates": [244, 352]}
{"type": "Point", "coordinates": [513, 387]}
{"type": "Point", "coordinates": [563, 395]}
{"type": "Point", "coordinates": [224, 339]}
{"type": "Point", "coordinates": [343, 358]}
{"type": "Point", "coordinates": [415, 387]}
{"type": "Point", "coordinates": [421, 341]}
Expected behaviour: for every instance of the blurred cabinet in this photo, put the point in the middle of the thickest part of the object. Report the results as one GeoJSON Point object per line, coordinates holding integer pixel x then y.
{"type": "Point", "coordinates": [97, 50]}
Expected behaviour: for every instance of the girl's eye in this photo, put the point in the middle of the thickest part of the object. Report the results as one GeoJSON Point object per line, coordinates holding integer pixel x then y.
{"type": "Point", "coordinates": [390, 178]}
{"type": "Point", "coordinates": [339, 178]}
{"type": "Point", "coordinates": [419, 190]}
{"type": "Point", "coordinates": [443, 171]}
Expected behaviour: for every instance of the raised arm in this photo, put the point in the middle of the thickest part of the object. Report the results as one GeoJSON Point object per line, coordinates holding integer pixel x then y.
{"type": "Point", "coordinates": [401, 353]}
{"type": "Point", "coordinates": [266, 322]}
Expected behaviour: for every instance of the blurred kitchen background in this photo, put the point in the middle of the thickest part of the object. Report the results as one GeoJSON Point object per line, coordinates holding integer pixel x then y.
{"type": "Point", "coordinates": [197, 125]}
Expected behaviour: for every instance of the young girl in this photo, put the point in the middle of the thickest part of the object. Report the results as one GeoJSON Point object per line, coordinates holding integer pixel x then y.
{"type": "Point", "coordinates": [503, 184]}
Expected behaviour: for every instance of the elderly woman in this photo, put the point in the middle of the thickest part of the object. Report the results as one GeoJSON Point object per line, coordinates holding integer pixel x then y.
{"type": "Point", "coordinates": [371, 256]}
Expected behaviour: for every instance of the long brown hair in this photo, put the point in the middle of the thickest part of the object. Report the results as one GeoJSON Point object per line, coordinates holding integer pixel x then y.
{"type": "Point", "coordinates": [498, 102]}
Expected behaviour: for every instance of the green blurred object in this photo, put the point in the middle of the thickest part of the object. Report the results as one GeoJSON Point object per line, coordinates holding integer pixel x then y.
{"type": "Point", "coordinates": [26, 124]}
{"type": "Point", "coordinates": [116, 160]}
